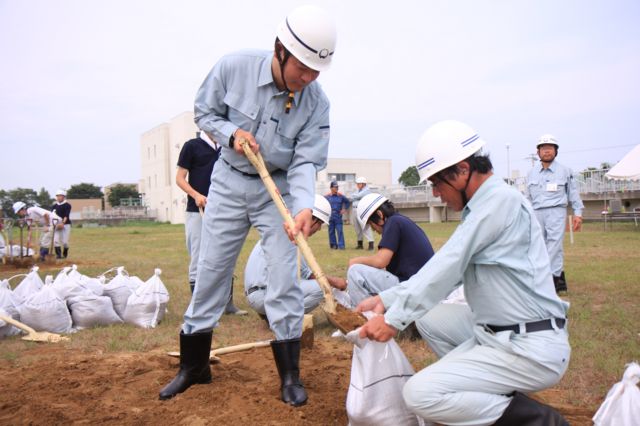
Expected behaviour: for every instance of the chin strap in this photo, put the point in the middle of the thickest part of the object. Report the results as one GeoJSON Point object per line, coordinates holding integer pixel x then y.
{"type": "Point", "coordinates": [463, 191]}
{"type": "Point", "coordinates": [282, 63]}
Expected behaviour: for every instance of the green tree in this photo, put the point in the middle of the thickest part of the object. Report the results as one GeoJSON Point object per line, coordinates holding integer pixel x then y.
{"type": "Point", "coordinates": [26, 195]}
{"type": "Point", "coordinates": [118, 192]}
{"type": "Point", "coordinates": [409, 177]}
{"type": "Point", "coordinates": [84, 190]}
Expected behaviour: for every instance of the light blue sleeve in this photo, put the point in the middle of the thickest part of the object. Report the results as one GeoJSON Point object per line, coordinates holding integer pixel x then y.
{"type": "Point", "coordinates": [445, 271]}
{"type": "Point", "coordinates": [573, 196]}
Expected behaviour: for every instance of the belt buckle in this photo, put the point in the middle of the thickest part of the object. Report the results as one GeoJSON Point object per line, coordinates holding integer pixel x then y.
{"type": "Point", "coordinates": [488, 329]}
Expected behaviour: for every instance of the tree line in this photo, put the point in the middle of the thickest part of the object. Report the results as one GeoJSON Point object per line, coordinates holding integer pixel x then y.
{"type": "Point", "coordinates": [43, 199]}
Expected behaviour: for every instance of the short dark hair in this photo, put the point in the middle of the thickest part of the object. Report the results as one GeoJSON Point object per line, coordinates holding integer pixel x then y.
{"type": "Point", "coordinates": [477, 163]}
{"type": "Point", "coordinates": [387, 209]}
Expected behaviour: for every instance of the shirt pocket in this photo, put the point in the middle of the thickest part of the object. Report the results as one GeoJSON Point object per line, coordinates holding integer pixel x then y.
{"type": "Point", "coordinates": [241, 111]}
{"type": "Point", "coordinates": [283, 146]}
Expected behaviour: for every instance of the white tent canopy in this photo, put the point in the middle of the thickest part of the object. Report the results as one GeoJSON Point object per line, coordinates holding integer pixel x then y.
{"type": "Point", "coordinates": [628, 168]}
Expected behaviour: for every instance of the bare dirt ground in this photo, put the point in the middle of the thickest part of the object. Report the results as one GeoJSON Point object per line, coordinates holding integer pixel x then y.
{"type": "Point", "coordinates": [50, 384]}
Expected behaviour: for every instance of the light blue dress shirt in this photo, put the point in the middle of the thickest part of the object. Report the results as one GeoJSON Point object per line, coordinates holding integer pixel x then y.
{"type": "Point", "coordinates": [553, 187]}
{"type": "Point", "coordinates": [500, 256]}
{"type": "Point", "coordinates": [240, 92]}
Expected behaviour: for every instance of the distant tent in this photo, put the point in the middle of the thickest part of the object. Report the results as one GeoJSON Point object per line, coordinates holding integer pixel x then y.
{"type": "Point", "coordinates": [628, 168]}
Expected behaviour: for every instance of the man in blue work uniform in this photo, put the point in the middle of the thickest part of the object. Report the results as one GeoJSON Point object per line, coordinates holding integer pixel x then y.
{"type": "Point", "coordinates": [271, 100]}
{"type": "Point", "coordinates": [550, 188]}
{"type": "Point", "coordinates": [195, 164]}
{"type": "Point", "coordinates": [519, 342]}
{"type": "Point", "coordinates": [361, 233]}
{"type": "Point", "coordinates": [339, 205]}
{"type": "Point", "coordinates": [403, 249]}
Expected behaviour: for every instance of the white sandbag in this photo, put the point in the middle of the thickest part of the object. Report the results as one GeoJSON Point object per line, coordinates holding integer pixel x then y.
{"type": "Point", "coordinates": [7, 308]}
{"type": "Point", "coordinates": [148, 303]}
{"type": "Point", "coordinates": [46, 311]}
{"type": "Point", "coordinates": [621, 407]}
{"type": "Point", "coordinates": [378, 374]}
{"type": "Point", "coordinates": [90, 310]}
{"type": "Point", "coordinates": [95, 285]}
{"type": "Point", "coordinates": [28, 286]}
{"type": "Point", "coordinates": [66, 287]}
{"type": "Point", "coordinates": [14, 251]}
{"type": "Point", "coordinates": [119, 288]}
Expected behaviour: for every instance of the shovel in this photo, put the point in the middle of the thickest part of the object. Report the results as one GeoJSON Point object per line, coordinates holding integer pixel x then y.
{"type": "Point", "coordinates": [342, 318]}
{"type": "Point", "coordinates": [32, 335]}
{"type": "Point", "coordinates": [213, 355]}
{"type": "Point", "coordinates": [51, 257]}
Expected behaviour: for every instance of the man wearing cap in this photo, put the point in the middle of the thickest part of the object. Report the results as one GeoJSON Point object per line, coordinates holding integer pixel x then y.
{"type": "Point", "coordinates": [195, 164]}
{"type": "Point", "coordinates": [363, 189]}
{"type": "Point", "coordinates": [255, 273]}
{"type": "Point", "coordinates": [339, 205]}
{"type": "Point", "coordinates": [403, 249]}
{"type": "Point", "coordinates": [518, 341]}
{"type": "Point", "coordinates": [550, 188]}
{"type": "Point", "coordinates": [62, 208]}
{"type": "Point", "coordinates": [45, 218]}
{"type": "Point", "coordinates": [271, 100]}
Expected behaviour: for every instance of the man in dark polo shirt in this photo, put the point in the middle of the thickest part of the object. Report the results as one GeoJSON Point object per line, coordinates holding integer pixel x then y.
{"type": "Point", "coordinates": [196, 160]}
{"type": "Point", "coordinates": [403, 249]}
{"type": "Point", "coordinates": [63, 229]}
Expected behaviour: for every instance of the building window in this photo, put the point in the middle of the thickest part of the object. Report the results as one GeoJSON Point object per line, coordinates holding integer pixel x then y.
{"type": "Point", "coordinates": [149, 182]}
{"type": "Point", "coordinates": [344, 177]}
{"type": "Point", "coordinates": [155, 180]}
{"type": "Point", "coordinates": [155, 155]}
{"type": "Point", "coordinates": [148, 153]}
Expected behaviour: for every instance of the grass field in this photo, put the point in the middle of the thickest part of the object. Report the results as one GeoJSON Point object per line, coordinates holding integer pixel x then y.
{"type": "Point", "coordinates": [602, 271]}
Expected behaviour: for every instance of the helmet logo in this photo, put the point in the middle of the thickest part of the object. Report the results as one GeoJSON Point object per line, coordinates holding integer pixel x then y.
{"type": "Point", "coordinates": [323, 53]}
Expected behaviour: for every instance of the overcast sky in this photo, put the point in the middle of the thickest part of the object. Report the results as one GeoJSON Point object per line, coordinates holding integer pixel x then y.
{"type": "Point", "coordinates": [80, 81]}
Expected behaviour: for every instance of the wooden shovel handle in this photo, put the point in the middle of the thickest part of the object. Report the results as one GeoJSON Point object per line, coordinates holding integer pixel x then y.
{"type": "Point", "coordinates": [18, 324]}
{"type": "Point", "coordinates": [259, 165]}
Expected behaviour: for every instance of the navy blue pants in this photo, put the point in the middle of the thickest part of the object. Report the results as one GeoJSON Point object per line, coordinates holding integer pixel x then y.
{"type": "Point", "coordinates": [335, 227]}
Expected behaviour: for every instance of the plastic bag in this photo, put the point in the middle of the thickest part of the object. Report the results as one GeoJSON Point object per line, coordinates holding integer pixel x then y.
{"type": "Point", "coordinates": [95, 285]}
{"type": "Point", "coordinates": [621, 407]}
{"type": "Point", "coordinates": [28, 286]}
{"type": "Point", "coordinates": [378, 374]}
{"type": "Point", "coordinates": [46, 311]}
{"type": "Point", "coordinates": [119, 288]}
{"type": "Point", "coordinates": [148, 303]}
{"type": "Point", "coordinates": [7, 308]}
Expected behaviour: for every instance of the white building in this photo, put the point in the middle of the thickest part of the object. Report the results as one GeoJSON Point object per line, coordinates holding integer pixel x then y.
{"type": "Point", "coordinates": [160, 147]}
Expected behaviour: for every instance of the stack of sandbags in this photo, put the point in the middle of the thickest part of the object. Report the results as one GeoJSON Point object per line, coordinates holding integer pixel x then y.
{"type": "Point", "coordinates": [119, 288]}
{"type": "Point", "coordinates": [31, 284]}
{"type": "Point", "coordinates": [7, 308]}
{"type": "Point", "coordinates": [147, 304]}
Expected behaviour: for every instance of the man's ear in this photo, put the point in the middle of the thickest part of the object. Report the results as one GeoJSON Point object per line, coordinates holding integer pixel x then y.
{"type": "Point", "coordinates": [463, 168]}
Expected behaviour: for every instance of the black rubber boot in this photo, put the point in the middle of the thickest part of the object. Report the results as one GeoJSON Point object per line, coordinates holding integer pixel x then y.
{"type": "Point", "coordinates": [286, 353]}
{"type": "Point", "coordinates": [65, 252]}
{"type": "Point", "coordinates": [370, 246]}
{"type": "Point", "coordinates": [58, 252]}
{"type": "Point", "coordinates": [359, 246]}
{"type": "Point", "coordinates": [560, 283]}
{"type": "Point", "coordinates": [192, 285]}
{"type": "Point", "coordinates": [524, 411]}
{"type": "Point", "coordinates": [43, 253]}
{"type": "Point", "coordinates": [194, 364]}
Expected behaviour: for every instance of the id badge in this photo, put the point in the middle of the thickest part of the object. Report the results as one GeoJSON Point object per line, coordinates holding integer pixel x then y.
{"type": "Point", "coordinates": [552, 187]}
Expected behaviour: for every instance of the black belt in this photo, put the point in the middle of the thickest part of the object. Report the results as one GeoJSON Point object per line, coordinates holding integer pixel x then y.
{"type": "Point", "coordinates": [251, 175]}
{"type": "Point", "coordinates": [255, 288]}
{"type": "Point", "coordinates": [529, 327]}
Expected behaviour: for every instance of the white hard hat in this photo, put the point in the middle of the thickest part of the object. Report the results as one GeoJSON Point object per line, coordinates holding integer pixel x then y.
{"type": "Point", "coordinates": [547, 140]}
{"type": "Point", "coordinates": [322, 208]}
{"type": "Point", "coordinates": [309, 33]}
{"type": "Point", "coordinates": [61, 192]}
{"type": "Point", "coordinates": [368, 205]}
{"type": "Point", "coordinates": [17, 206]}
{"type": "Point", "coordinates": [361, 179]}
{"type": "Point", "coordinates": [445, 144]}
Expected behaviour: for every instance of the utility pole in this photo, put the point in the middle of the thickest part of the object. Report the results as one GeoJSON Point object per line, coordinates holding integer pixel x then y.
{"type": "Point", "coordinates": [533, 158]}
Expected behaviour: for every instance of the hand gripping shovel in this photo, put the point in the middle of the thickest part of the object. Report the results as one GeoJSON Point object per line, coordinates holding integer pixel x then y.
{"type": "Point", "coordinates": [342, 318]}
{"type": "Point", "coordinates": [32, 335]}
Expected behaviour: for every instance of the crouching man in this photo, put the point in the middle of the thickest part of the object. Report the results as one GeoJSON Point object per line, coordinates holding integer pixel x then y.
{"type": "Point", "coordinates": [255, 273]}
{"type": "Point", "coordinates": [519, 342]}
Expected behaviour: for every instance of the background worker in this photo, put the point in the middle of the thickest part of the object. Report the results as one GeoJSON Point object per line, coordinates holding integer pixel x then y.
{"type": "Point", "coordinates": [403, 249]}
{"type": "Point", "coordinates": [195, 165]}
{"type": "Point", "coordinates": [62, 208]}
{"type": "Point", "coordinates": [550, 188]}
{"type": "Point", "coordinates": [339, 205]}
{"type": "Point", "coordinates": [271, 100]}
{"type": "Point", "coordinates": [519, 342]}
{"type": "Point", "coordinates": [40, 216]}
{"type": "Point", "coordinates": [255, 273]}
{"type": "Point", "coordinates": [363, 189]}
